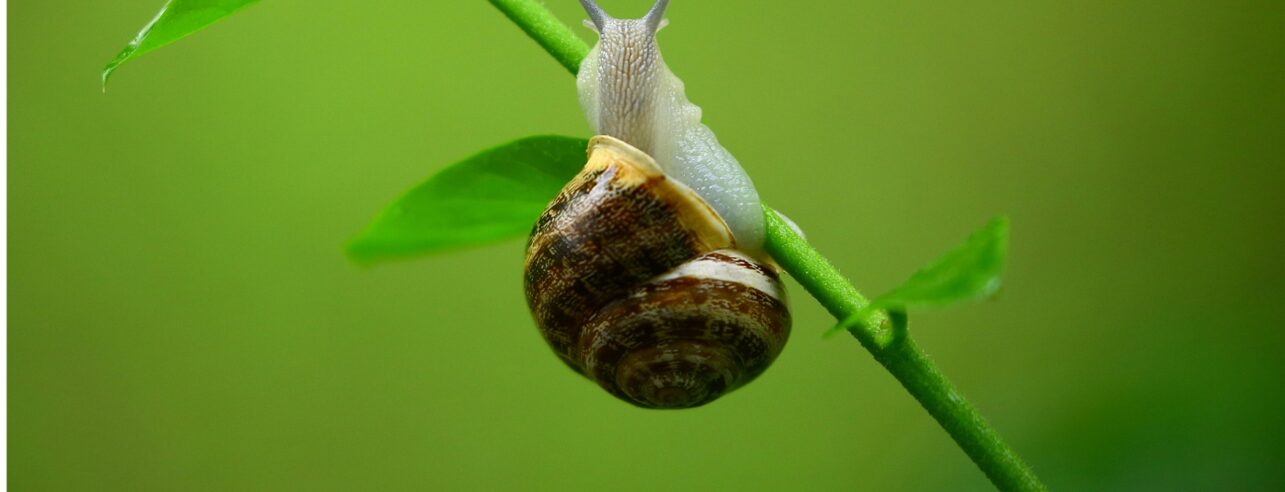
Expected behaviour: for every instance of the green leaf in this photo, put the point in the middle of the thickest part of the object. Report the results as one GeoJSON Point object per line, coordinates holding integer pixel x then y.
{"type": "Point", "coordinates": [495, 195]}
{"type": "Point", "coordinates": [969, 272]}
{"type": "Point", "coordinates": [177, 19]}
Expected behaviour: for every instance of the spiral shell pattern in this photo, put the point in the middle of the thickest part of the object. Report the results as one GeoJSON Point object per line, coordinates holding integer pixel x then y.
{"type": "Point", "coordinates": [635, 282]}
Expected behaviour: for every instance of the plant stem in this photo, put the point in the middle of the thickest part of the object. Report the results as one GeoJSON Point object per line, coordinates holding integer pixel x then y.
{"type": "Point", "coordinates": [545, 28]}
{"type": "Point", "coordinates": [882, 333]}
{"type": "Point", "coordinates": [887, 339]}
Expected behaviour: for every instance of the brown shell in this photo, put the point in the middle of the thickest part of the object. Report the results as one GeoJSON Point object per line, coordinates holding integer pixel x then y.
{"type": "Point", "coordinates": [633, 281]}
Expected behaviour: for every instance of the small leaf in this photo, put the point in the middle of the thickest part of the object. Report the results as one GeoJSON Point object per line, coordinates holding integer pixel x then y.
{"type": "Point", "coordinates": [177, 19]}
{"type": "Point", "coordinates": [970, 272]}
{"type": "Point", "coordinates": [495, 195]}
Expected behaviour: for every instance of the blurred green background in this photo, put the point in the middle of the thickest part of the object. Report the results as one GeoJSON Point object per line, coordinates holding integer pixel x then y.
{"type": "Point", "coordinates": [182, 316]}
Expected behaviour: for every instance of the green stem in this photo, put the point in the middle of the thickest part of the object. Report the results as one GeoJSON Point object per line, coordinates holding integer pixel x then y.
{"type": "Point", "coordinates": [886, 338]}
{"type": "Point", "coordinates": [882, 333]}
{"type": "Point", "coordinates": [545, 28]}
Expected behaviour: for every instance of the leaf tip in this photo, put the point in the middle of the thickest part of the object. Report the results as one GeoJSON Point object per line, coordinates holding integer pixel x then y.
{"type": "Point", "coordinates": [358, 252]}
{"type": "Point", "coordinates": [122, 57]}
{"type": "Point", "coordinates": [999, 226]}
{"type": "Point", "coordinates": [107, 74]}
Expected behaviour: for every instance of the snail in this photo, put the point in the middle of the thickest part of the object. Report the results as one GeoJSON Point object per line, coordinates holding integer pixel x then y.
{"type": "Point", "coordinates": [647, 273]}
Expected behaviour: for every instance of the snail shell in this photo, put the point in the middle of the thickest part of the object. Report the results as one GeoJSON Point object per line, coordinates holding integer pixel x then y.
{"type": "Point", "coordinates": [635, 282]}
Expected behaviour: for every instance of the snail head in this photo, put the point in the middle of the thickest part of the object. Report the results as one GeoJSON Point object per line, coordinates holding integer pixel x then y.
{"type": "Point", "coordinates": [601, 22]}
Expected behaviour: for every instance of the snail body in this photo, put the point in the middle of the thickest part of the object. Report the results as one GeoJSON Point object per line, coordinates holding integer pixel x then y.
{"type": "Point", "coordinates": [636, 278]}
{"type": "Point", "coordinates": [627, 91]}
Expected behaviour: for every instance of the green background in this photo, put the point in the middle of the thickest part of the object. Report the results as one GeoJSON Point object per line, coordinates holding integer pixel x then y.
{"type": "Point", "coordinates": [182, 316]}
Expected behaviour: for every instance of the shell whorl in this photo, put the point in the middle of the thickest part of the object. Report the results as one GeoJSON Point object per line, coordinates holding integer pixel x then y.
{"type": "Point", "coordinates": [635, 282]}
